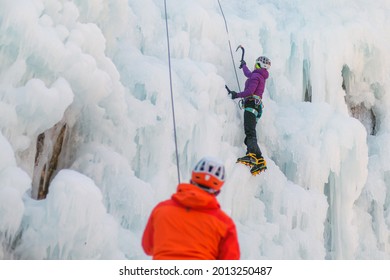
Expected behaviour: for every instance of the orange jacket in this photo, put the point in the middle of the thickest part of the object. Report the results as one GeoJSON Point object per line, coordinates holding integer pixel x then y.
{"type": "Point", "coordinates": [190, 225]}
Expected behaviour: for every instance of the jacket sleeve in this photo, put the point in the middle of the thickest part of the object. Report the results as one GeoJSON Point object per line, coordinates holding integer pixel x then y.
{"type": "Point", "coordinates": [250, 86]}
{"type": "Point", "coordinates": [147, 237]}
{"type": "Point", "coordinates": [229, 248]}
{"type": "Point", "coordinates": [246, 71]}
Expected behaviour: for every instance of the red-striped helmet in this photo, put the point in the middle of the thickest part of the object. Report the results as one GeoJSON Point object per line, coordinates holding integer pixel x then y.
{"type": "Point", "coordinates": [209, 172]}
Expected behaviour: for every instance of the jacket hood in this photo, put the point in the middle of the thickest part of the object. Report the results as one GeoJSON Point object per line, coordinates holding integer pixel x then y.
{"type": "Point", "coordinates": [194, 197]}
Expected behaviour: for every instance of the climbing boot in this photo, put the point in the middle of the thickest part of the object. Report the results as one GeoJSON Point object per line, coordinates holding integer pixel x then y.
{"type": "Point", "coordinates": [249, 159]}
{"type": "Point", "coordinates": [261, 165]}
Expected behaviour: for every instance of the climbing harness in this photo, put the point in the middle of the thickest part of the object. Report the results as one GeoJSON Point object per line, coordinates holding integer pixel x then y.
{"type": "Point", "coordinates": [255, 98]}
{"type": "Point", "coordinates": [258, 105]}
{"type": "Point", "coordinates": [172, 99]}
{"type": "Point", "coordinates": [257, 102]}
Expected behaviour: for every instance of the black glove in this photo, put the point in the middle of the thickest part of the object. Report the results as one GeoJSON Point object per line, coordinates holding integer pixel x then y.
{"type": "Point", "coordinates": [242, 63]}
{"type": "Point", "coordinates": [234, 94]}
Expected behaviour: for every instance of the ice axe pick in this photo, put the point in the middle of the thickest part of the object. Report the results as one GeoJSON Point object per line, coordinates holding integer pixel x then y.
{"type": "Point", "coordinates": [243, 51]}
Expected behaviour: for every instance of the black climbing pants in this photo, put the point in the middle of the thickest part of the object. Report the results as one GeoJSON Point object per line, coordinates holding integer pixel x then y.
{"type": "Point", "coordinates": [250, 120]}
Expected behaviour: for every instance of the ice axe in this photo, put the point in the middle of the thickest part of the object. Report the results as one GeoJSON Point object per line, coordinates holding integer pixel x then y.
{"type": "Point", "coordinates": [243, 52]}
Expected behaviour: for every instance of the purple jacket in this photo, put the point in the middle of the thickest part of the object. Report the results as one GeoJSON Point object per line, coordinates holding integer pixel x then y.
{"type": "Point", "coordinates": [255, 83]}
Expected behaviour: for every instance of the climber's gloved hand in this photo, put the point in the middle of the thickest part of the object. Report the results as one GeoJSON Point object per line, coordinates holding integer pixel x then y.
{"type": "Point", "coordinates": [242, 63]}
{"type": "Point", "coordinates": [233, 94]}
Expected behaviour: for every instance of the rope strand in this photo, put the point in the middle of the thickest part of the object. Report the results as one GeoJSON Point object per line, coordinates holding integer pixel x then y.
{"type": "Point", "coordinates": [172, 99]}
{"type": "Point", "coordinates": [230, 46]}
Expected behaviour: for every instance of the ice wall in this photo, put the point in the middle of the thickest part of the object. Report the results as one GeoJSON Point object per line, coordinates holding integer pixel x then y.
{"type": "Point", "coordinates": [102, 68]}
{"type": "Point", "coordinates": [14, 182]}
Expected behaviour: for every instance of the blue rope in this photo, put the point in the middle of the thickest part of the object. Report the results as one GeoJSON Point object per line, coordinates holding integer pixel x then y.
{"type": "Point", "coordinates": [230, 46]}
{"type": "Point", "coordinates": [172, 100]}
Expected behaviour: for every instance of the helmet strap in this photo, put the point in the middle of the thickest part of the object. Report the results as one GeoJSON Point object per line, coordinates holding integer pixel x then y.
{"type": "Point", "coordinates": [206, 189]}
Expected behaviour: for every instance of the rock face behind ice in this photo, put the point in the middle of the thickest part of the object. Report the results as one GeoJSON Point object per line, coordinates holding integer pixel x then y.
{"type": "Point", "coordinates": [100, 68]}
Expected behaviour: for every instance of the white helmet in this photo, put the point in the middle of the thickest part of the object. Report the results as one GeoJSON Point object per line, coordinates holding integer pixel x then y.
{"type": "Point", "coordinates": [263, 62]}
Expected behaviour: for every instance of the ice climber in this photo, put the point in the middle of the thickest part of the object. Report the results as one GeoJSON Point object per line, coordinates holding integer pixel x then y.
{"type": "Point", "coordinates": [191, 225]}
{"type": "Point", "coordinates": [253, 109]}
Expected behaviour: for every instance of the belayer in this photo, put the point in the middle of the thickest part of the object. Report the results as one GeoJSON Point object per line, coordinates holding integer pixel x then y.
{"type": "Point", "coordinates": [253, 109]}
{"type": "Point", "coordinates": [191, 224]}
